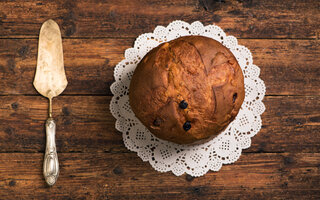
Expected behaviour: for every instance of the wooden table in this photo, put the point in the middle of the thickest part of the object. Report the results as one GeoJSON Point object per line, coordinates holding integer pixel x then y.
{"type": "Point", "coordinates": [283, 161]}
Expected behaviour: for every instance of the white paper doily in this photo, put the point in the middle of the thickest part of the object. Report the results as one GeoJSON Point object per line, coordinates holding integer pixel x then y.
{"type": "Point", "coordinates": [198, 159]}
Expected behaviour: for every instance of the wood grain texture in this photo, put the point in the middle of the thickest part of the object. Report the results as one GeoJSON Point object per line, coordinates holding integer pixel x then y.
{"type": "Point", "coordinates": [129, 18]}
{"type": "Point", "coordinates": [125, 176]}
{"type": "Point", "coordinates": [283, 161]}
{"type": "Point", "coordinates": [85, 124]}
{"type": "Point", "coordinates": [89, 63]}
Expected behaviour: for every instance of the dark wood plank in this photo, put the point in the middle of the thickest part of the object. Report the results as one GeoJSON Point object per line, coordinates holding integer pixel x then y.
{"type": "Point", "coordinates": [288, 67]}
{"type": "Point", "coordinates": [125, 176]}
{"type": "Point", "coordinates": [88, 65]}
{"type": "Point", "coordinates": [129, 18]}
{"type": "Point", "coordinates": [84, 124]}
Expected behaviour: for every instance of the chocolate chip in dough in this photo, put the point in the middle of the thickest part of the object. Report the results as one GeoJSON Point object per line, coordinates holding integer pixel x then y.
{"type": "Point", "coordinates": [157, 122]}
{"type": "Point", "coordinates": [235, 95]}
{"type": "Point", "coordinates": [187, 125]}
{"type": "Point", "coordinates": [183, 104]}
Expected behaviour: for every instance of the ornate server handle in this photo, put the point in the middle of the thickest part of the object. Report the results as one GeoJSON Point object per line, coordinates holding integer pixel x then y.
{"type": "Point", "coordinates": [51, 164]}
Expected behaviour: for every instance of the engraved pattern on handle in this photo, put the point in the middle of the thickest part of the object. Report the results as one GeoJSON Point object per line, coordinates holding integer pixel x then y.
{"type": "Point", "coordinates": [51, 164]}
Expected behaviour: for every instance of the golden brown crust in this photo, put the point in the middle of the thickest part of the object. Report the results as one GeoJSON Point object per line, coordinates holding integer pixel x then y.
{"type": "Point", "coordinates": [196, 69]}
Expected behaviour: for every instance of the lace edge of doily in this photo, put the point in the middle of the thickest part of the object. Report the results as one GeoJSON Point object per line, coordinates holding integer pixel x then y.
{"type": "Point", "coordinates": [119, 118]}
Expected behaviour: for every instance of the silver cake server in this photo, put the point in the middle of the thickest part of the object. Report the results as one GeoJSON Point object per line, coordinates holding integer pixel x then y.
{"type": "Point", "coordinates": [50, 81]}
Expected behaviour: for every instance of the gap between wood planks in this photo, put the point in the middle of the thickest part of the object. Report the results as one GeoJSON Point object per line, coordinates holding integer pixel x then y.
{"type": "Point", "coordinates": [108, 37]}
{"type": "Point", "coordinates": [106, 95]}
{"type": "Point", "coordinates": [129, 151]}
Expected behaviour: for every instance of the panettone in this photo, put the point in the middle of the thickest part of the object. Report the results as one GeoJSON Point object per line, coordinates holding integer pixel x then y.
{"type": "Point", "coordinates": [187, 90]}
